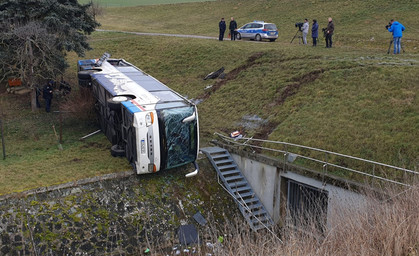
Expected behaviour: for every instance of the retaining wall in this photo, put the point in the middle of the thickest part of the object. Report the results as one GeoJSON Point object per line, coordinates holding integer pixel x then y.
{"type": "Point", "coordinates": [117, 214]}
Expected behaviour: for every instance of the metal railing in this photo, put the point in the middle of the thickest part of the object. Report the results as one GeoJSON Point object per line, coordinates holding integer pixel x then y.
{"type": "Point", "coordinates": [398, 175]}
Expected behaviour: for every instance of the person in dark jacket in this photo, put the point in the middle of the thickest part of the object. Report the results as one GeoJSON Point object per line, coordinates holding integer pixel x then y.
{"type": "Point", "coordinates": [233, 28]}
{"type": "Point", "coordinates": [397, 29]}
{"type": "Point", "coordinates": [315, 32]}
{"type": "Point", "coordinates": [47, 95]}
{"type": "Point", "coordinates": [329, 33]}
{"type": "Point", "coordinates": [222, 26]}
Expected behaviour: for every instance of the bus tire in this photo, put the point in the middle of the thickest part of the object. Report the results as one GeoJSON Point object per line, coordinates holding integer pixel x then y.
{"type": "Point", "coordinates": [117, 151]}
{"type": "Point", "coordinates": [114, 103]}
{"type": "Point", "coordinates": [84, 75]}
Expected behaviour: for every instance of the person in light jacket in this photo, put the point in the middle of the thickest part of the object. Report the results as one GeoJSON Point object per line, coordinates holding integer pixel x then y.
{"type": "Point", "coordinates": [315, 32]}
{"type": "Point", "coordinates": [305, 31]}
{"type": "Point", "coordinates": [397, 29]}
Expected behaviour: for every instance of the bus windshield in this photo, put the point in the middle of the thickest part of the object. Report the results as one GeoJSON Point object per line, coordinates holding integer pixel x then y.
{"type": "Point", "coordinates": [178, 140]}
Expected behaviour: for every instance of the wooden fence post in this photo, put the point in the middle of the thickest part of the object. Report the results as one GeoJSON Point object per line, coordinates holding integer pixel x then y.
{"type": "Point", "coordinates": [2, 140]}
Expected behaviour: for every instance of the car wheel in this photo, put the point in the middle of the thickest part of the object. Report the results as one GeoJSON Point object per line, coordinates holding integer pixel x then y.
{"type": "Point", "coordinates": [272, 39]}
{"type": "Point", "coordinates": [114, 103]}
{"type": "Point", "coordinates": [258, 37]}
{"type": "Point", "coordinates": [238, 36]}
{"type": "Point", "coordinates": [116, 150]}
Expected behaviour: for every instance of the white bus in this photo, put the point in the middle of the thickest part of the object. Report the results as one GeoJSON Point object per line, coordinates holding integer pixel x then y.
{"type": "Point", "coordinates": [154, 127]}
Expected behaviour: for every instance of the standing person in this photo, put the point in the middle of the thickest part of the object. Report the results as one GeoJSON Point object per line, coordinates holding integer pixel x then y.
{"type": "Point", "coordinates": [47, 95]}
{"type": "Point", "coordinates": [329, 33]}
{"type": "Point", "coordinates": [305, 31]}
{"type": "Point", "coordinates": [315, 32]}
{"type": "Point", "coordinates": [222, 26]}
{"type": "Point", "coordinates": [397, 29]}
{"type": "Point", "coordinates": [233, 27]}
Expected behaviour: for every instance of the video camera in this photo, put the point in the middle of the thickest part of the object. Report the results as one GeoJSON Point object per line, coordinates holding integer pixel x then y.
{"type": "Point", "coordinates": [299, 25]}
{"type": "Point", "coordinates": [388, 25]}
{"type": "Point", "coordinates": [324, 30]}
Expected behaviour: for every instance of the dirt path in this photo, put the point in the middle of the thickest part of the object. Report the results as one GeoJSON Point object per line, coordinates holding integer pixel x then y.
{"type": "Point", "coordinates": [160, 34]}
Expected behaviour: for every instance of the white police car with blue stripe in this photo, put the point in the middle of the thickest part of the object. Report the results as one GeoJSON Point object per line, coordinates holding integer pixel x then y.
{"type": "Point", "coordinates": [258, 30]}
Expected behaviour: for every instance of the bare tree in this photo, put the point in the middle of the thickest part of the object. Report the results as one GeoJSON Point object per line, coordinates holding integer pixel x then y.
{"type": "Point", "coordinates": [36, 35]}
{"type": "Point", "coordinates": [95, 9]}
{"type": "Point", "coordinates": [36, 57]}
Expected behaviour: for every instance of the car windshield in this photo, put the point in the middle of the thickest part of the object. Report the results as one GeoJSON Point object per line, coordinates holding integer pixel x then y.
{"type": "Point", "coordinates": [270, 27]}
{"type": "Point", "coordinates": [178, 140]}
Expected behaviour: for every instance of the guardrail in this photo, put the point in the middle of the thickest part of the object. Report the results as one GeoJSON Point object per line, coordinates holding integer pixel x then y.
{"type": "Point", "coordinates": [330, 162]}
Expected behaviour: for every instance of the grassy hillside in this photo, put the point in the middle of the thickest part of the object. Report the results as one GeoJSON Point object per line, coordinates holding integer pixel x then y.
{"type": "Point", "coordinates": [354, 98]}
{"type": "Point", "coordinates": [120, 3]}
{"type": "Point", "coordinates": [33, 156]}
{"type": "Point", "coordinates": [357, 102]}
{"type": "Point", "coordinates": [358, 24]}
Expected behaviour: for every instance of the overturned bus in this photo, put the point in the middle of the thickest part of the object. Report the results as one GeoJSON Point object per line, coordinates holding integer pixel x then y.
{"type": "Point", "coordinates": [154, 127]}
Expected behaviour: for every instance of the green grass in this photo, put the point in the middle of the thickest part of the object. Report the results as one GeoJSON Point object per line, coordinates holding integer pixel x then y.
{"type": "Point", "coordinates": [33, 157]}
{"type": "Point", "coordinates": [120, 3]}
{"type": "Point", "coordinates": [353, 99]}
{"type": "Point", "coordinates": [361, 102]}
{"type": "Point", "coordinates": [358, 24]}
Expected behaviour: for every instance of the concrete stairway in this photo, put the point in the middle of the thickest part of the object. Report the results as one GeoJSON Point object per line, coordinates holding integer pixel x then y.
{"type": "Point", "coordinates": [249, 204]}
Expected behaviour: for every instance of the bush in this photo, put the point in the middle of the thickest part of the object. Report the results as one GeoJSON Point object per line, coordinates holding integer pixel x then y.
{"type": "Point", "coordinates": [79, 105]}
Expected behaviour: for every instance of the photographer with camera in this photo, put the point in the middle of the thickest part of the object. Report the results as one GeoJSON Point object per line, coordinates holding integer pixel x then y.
{"type": "Point", "coordinates": [329, 33]}
{"type": "Point", "coordinates": [315, 32]}
{"type": "Point", "coordinates": [305, 31]}
{"type": "Point", "coordinates": [397, 29]}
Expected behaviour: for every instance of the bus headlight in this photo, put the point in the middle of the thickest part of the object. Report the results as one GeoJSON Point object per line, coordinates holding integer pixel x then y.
{"type": "Point", "coordinates": [149, 119]}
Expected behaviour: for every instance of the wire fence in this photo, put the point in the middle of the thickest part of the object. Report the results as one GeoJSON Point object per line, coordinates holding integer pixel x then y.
{"type": "Point", "coordinates": [328, 162]}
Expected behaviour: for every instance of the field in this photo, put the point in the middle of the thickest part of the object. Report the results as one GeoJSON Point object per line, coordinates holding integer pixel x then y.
{"type": "Point", "coordinates": [353, 99]}
{"type": "Point", "coordinates": [120, 3]}
{"type": "Point", "coordinates": [359, 24]}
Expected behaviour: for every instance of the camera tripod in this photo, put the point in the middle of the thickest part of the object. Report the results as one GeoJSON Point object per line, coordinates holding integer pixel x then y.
{"type": "Point", "coordinates": [299, 34]}
{"type": "Point", "coordinates": [389, 46]}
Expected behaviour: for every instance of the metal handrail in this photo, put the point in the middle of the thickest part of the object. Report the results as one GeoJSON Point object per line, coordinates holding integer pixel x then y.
{"type": "Point", "coordinates": [246, 207]}
{"type": "Point", "coordinates": [325, 163]}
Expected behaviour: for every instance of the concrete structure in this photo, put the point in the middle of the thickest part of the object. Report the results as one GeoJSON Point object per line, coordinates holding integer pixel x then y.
{"type": "Point", "coordinates": [269, 179]}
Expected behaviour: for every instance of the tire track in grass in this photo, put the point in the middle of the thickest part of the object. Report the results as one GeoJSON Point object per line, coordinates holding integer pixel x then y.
{"type": "Point", "coordinates": [233, 74]}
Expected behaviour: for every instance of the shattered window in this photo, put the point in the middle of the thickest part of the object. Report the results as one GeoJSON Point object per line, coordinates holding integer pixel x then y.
{"type": "Point", "coordinates": [178, 139]}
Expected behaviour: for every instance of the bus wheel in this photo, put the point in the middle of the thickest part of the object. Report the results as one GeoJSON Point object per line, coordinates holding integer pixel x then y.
{"type": "Point", "coordinates": [116, 150]}
{"type": "Point", "coordinates": [114, 103]}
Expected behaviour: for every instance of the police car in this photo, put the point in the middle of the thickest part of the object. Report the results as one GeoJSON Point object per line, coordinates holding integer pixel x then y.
{"type": "Point", "coordinates": [258, 30]}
